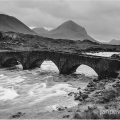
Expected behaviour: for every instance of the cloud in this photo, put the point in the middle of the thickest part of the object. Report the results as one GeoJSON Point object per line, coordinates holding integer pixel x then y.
{"type": "Point", "coordinates": [101, 19]}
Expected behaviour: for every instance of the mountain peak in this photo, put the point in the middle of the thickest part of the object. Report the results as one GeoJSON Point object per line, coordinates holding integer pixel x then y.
{"type": "Point", "coordinates": [69, 30]}
{"type": "Point", "coordinates": [71, 26]}
{"type": "Point", "coordinates": [70, 21]}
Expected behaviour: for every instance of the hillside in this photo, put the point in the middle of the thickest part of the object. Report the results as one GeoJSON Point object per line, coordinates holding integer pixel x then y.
{"type": "Point", "coordinates": [19, 41]}
{"type": "Point", "coordinates": [69, 30]}
{"type": "Point", "coordinates": [10, 23]}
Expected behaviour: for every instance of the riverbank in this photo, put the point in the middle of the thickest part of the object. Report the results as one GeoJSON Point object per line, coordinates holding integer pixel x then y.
{"type": "Point", "coordinates": [103, 102]}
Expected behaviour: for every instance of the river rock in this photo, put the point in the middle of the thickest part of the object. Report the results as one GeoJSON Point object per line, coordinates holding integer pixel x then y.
{"type": "Point", "coordinates": [116, 85]}
{"type": "Point", "coordinates": [96, 80]}
{"type": "Point", "coordinates": [116, 56]}
{"type": "Point", "coordinates": [91, 84]}
{"type": "Point", "coordinates": [71, 93]}
{"type": "Point", "coordinates": [76, 96]}
{"type": "Point", "coordinates": [61, 108]}
{"type": "Point", "coordinates": [84, 96]}
{"type": "Point", "coordinates": [92, 89]}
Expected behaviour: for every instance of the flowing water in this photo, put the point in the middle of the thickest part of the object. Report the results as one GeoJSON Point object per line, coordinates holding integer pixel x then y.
{"type": "Point", "coordinates": [104, 54]}
{"type": "Point", "coordinates": [41, 88]}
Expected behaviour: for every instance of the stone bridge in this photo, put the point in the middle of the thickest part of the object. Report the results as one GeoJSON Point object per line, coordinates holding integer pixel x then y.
{"type": "Point", "coordinates": [67, 63]}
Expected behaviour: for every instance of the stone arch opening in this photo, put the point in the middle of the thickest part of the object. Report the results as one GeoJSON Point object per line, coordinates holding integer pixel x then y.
{"type": "Point", "coordinates": [49, 65]}
{"type": "Point", "coordinates": [35, 64]}
{"type": "Point", "coordinates": [12, 62]}
{"type": "Point", "coordinates": [86, 69]}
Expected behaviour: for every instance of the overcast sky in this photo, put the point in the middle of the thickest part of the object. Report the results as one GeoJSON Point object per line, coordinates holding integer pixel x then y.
{"type": "Point", "coordinates": [101, 19]}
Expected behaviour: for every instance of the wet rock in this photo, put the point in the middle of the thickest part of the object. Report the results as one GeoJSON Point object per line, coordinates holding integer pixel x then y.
{"type": "Point", "coordinates": [116, 56]}
{"type": "Point", "coordinates": [87, 92]}
{"type": "Point", "coordinates": [71, 93]}
{"type": "Point", "coordinates": [92, 107]}
{"type": "Point", "coordinates": [17, 115]}
{"type": "Point", "coordinates": [70, 110]}
{"type": "Point", "coordinates": [96, 80]}
{"type": "Point", "coordinates": [76, 116]}
{"type": "Point", "coordinates": [116, 85]}
{"type": "Point", "coordinates": [79, 88]}
{"type": "Point", "coordinates": [66, 116]}
{"type": "Point", "coordinates": [78, 110]}
{"type": "Point", "coordinates": [76, 96]}
{"type": "Point", "coordinates": [81, 97]}
{"type": "Point", "coordinates": [118, 81]}
{"type": "Point", "coordinates": [84, 96]}
{"type": "Point", "coordinates": [91, 84]}
{"type": "Point", "coordinates": [61, 108]}
{"type": "Point", "coordinates": [98, 93]}
{"type": "Point", "coordinates": [92, 89]}
{"type": "Point", "coordinates": [86, 89]}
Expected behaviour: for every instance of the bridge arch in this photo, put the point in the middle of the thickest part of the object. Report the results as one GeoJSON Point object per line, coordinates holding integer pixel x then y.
{"type": "Point", "coordinates": [49, 65]}
{"type": "Point", "coordinates": [73, 64]}
{"type": "Point", "coordinates": [74, 68]}
{"type": "Point", "coordinates": [39, 62]}
{"type": "Point", "coordinates": [11, 62]}
{"type": "Point", "coordinates": [87, 70]}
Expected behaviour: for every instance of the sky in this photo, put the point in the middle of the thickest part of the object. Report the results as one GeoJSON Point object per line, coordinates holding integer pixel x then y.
{"type": "Point", "coordinates": [101, 19]}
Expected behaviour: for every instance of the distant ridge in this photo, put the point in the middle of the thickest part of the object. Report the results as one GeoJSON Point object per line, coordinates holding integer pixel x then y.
{"type": "Point", "coordinates": [114, 42]}
{"type": "Point", "coordinates": [69, 30]}
{"type": "Point", "coordinates": [10, 23]}
{"type": "Point", "coordinates": [40, 31]}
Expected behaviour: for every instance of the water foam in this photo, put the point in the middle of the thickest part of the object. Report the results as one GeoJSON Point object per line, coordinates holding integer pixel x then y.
{"type": "Point", "coordinates": [41, 92]}
{"type": "Point", "coordinates": [7, 94]}
{"type": "Point", "coordinates": [104, 54]}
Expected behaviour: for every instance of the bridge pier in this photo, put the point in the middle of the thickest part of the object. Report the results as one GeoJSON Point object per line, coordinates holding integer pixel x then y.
{"type": "Point", "coordinates": [104, 75]}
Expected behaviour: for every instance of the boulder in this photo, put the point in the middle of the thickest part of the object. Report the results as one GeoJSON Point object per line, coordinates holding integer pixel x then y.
{"type": "Point", "coordinates": [76, 96]}
{"type": "Point", "coordinates": [96, 80]}
{"type": "Point", "coordinates": [92, 89]}
{"type": "Point", "coordinates": [84, 96]}
{"type": "Point", "coordinates": [116, 56]}
{"type": "Point", "coordinates": [61, 108]}
{"type": "Point", "coordinates": [66, 116]}
{"type": "Point", "coordinates": [116, 85]}
{"type": "Point", "coordinates": [71, 93]}
{"type": "Point", "coordinates": [91, 84]}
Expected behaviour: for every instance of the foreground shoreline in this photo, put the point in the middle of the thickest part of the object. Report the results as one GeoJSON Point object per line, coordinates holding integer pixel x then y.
{"type": "Point", "coordinates": [102, 103]}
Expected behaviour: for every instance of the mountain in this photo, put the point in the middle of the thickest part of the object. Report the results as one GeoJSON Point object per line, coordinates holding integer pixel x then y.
{"type": "Point", "coordinates": [40, 31]}
{"type": "Point", "coordinates": [69, 30]}
{"type": "Point", "coordinates": [10, 23]}
{"type": "Point", "coordinates": [114, 42]}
